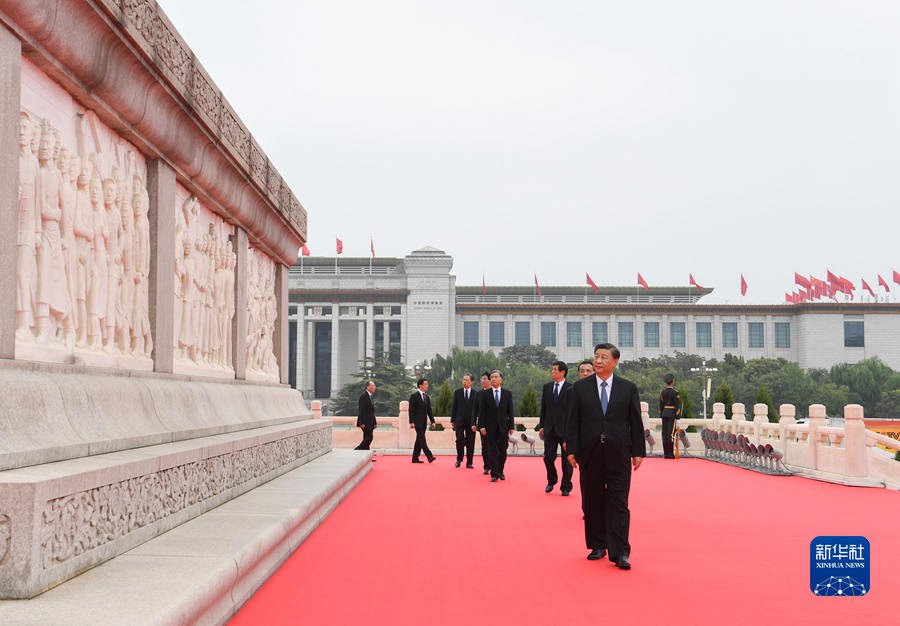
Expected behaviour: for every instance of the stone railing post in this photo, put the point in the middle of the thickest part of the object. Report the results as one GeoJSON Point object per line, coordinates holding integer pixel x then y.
{"type": "Point", "coordinates": [817, 414]}
{"type": "Point", "coordinates": [856, 457]}
{"type": "Point", "coordinates": [718, 416]}
{"type": "Point", "coordinates": [738, 416]}
{"type": "Point", "coordinates": [760, 417]}
{"type": "Point", "coordinates": [316, 407]}
{"type": "Point", "coordinates": [403, 430]}
{"type": "Point", "coordinates": [645, 415]}
{"type": "Point", "coordinates": [786, 418]}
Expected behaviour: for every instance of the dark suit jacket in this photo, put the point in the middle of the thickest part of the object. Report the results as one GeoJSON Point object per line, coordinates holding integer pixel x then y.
{"type": "Point", "coordinates": [493, 418]}
{"type": "Point", "coordinates": [365, 411]}
{"type": "Point", "coordinates": [419, 411]}
{"type": "Point", "coordinates": [555, 415]}
{"type": "Point", "coordinates": [462, 412]}
{"type": "Point", "coordinates": [621, 424]}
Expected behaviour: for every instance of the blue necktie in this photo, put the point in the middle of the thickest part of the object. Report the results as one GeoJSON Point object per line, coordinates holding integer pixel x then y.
{"type": "Point", "coordinates": [555, 393]}
{"type": "Point", "coordinates": [604, 399]}
{"type": "Point", "coordinates": [497, 397]}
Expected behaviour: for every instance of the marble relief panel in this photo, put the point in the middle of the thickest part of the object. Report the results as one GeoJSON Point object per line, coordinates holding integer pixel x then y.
{"type": "Point", "coordinates": [204, 288]}
{"type": "Point", "coordinates": [83, 240]}
{"type": "Point", "coordinates": [262, 312]}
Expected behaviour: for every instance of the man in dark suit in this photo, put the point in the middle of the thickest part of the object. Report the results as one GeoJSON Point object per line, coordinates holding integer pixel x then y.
{"type": "Point", "coordinates": [485, 384]}
{"type": "Point", "coordinates": [605, 440]}
{"type": "Point", "coordinates": [365, 416]}
{"type": "Point", "coordinates": [462, 420]}
{"type": "Point", "coordinates": [552, 426]}
{"type": "Point", "coordinates": [419, 411]}
{"type": "Point", "coordinates": [669, 411]}
{"type": "Point", "coordinates": [496, 423]}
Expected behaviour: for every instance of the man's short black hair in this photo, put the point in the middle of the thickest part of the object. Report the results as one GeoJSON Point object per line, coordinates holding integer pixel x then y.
{"type": "Point", "coordinates": [608, 346]}
{"type": "Point", "coordinates": [561, 366]}
{"type": "Point", "coordinates": [420, 381]}
{"type": "Point", "coordinates": [483, 374]}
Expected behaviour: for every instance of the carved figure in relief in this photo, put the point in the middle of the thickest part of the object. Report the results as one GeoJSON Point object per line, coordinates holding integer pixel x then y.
{"type": "Point", "coordinates": [52, 299]}
{"type": "Point", "coordinates": [189, 295]}
{"type": "Point", "coordinates": [114, 262]}
{"type": "Point", "coordinates": [5, 536]}
{"type": "Point", "coordinates": [140, 330]}
{"type": "Point", "coordinates": [69, 176]}
{"type": "Point", "coordinates": [231, 259]}
{"type": "Point", "coordinates": [29, 231]}
{"type": "Point", "coordinates": [183, 224]}
{"type": "Point", "coordinates": [206, 285]}
{"type": "Point", "coordinates": [99, 273]}
{"type": "Point", "coordinates": [84, 245]}
{"type": "Point", "coordinates": [125, 308]}
{"type": "Point", "coordinates": [221, 307]}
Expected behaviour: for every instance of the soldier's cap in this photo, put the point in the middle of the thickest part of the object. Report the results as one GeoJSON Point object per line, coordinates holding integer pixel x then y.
{"type": "Point", "coordinates": [668, 378]}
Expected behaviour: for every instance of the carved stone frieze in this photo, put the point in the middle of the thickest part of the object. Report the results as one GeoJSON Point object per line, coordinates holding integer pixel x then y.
{"type": "Point", "coordinates": [76, 523]}
{"type": "Point", "coordinates": [5, 536]}
{"type": "Point", "coordinates": [262, 312]}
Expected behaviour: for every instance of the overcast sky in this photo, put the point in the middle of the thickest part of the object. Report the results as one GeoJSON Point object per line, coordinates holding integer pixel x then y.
{"type": "Point", "coordinates": [522, 136]}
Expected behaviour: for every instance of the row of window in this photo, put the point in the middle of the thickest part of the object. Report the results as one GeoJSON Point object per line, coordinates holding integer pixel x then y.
{"type": "Point", "coordinates": [600, 334]}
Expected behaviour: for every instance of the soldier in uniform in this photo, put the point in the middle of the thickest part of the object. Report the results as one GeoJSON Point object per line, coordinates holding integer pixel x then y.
{"type": "Point", "coordinates": [669, 411]}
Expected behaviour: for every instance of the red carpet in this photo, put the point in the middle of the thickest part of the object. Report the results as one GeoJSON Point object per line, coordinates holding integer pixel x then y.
{"type": "Point", "coordinates": [432, 544]}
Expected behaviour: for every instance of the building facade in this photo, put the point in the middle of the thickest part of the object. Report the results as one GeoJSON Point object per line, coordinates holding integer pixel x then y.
{"type": "Point", "coordinates": [343, 312]}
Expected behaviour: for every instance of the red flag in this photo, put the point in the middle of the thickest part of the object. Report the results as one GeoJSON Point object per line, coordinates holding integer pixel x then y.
{"type": "Point", "coordinates": [340, 245]}
{"type": "Point", "coordinates": [743, 286]}
{"type": "Point", "coordinates": [372, 246]}
{"type": "Point", "coordinates": [803, 295]}
{"type": "Point", "coordinates": [897, 277]}
{"type": "Point", "coordinates": [590, 282]}
{"type": "Point", "coordinates": [865, 286]}
{"type": "Point", "coordinates": [803, 281]}
{"type": "Point", "coordinates": [643, 283]}
{"type": "Point", "coordinates": [483, 288]}
{"type": "Point", "coordinates": [883, 283]}
{"type": "Point", "coordinates": [694, 282]}
{"type": "Point", "coordinates": [304, 250]}
{"type": "Point", "coordinates": [538, 287]}
{"type": "Point", "coordinates": [834, 280]}
{"type": "Point", "coordinates": [788, 297]}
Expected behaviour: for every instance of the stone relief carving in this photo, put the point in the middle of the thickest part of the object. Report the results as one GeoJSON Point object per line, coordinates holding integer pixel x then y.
{"type": "Point", "coordinates": [5, 536]}
{"type": "Point", "coordinates": [79, 522]}
{"type": "Point", "coordinates": [261, 314]}
{"type": "Point", "coordinates": [83, 244]}
{"type": "Point", "coordinates": [204, 287]}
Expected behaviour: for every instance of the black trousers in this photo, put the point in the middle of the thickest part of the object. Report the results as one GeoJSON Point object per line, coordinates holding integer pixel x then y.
{"type": "Point", "coordinates": [484, 451]}
{"type": "Point", "coordinates": [606, 481]}
{"type": "Point", "coordinates": [368, 434]}
{"type": "Point", "coordinates": [465, 442]}
{"type": "Point", "coordinates": [497, 442]}
{"type": "Point", "coordinates": [668, 427]}
{"type": "Point", "coordinates": [552, 441]}
{"type": "Point", "coordinates": [421, 445]}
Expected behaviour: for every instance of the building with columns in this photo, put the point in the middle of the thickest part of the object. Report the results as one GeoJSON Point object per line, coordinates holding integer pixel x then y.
{"type": "Point", "coordinates": [351, 309]}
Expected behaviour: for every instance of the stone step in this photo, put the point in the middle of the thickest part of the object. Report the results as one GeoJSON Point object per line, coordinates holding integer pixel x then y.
{"type": "Point", "coordinates": [204, 570]}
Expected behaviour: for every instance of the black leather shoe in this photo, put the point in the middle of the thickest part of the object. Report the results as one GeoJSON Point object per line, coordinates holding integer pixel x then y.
{"type": "Point", "coordinates": [493, 479]}
{"type": "Point", "coordinates": [622, 562]}
{"type": "Point", "coordinates": [486, 472]}
{"type": "Point", "coordinates": [597, 554]}
{"type": "Point", "coordinates": [417, 461]}
{"type": "Point", "coordinates": [548, 488]}
{"type": "Point", "coordinates": [458, 463]}
{"type": "Point", "coordinates": [502, 476]}
{"type": "Point", "coordinates": [432, 459]}
{"type": "Point", "coordinates": [566, 492]}
{"type": "Point", "coordinates": [470, 466]}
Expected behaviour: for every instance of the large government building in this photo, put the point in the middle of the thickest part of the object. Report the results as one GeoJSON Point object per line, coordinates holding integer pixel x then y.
{"type": "Point", "coordinates": [347, 309]}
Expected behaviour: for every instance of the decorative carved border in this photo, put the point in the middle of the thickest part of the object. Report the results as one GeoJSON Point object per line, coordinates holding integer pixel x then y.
{"type": "Point", "coordinates": [74, 524]}
{"type": "Point", "coordinates": [157, 39]}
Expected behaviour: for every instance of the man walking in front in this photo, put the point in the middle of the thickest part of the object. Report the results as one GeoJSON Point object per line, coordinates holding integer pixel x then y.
{"type": "Point", "coordinates": [365, 413]}
{"type": "Point", "coordinates": [552, 426]}
{"type": "Point", "coordinates": [496, 423]}
{"type": "Point", "coordinates": [606, 440]}
{"type": "Point", "coordinates": [419, 412]}
{"type": "Point", "coordinates": [462, 420]}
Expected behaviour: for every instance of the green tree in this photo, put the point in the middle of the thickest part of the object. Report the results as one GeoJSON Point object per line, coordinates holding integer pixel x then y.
{"type": "Point", "coordinates": [889, 405]}
{"type": "Point", "coordinates": [538, 356]}
{"type": "Point", "coordinates": [725, 396]}
{"type": "Point", "coordinates": [687, 407]}
{"type": "Point", "coordinates": [444, 400]}
{"type": "Point", "coordinates": [528, 407]}
{"type": "Point", "coordinates": [393, 385]}
{"type": "Point", "coordinates": [763, 397]}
